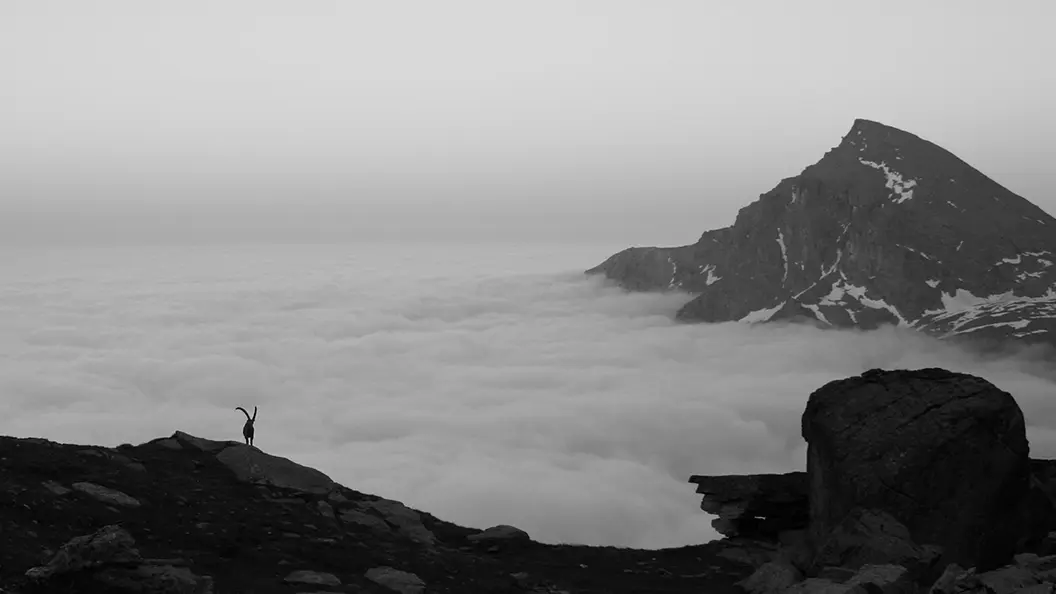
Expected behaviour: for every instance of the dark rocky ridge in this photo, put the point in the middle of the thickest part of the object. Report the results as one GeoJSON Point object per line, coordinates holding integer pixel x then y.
{"type": "Point", "coordinates": [188, 515]}
{"type": "Point", "coordinates": [912, 476]}
{"type": "Point", "coordinates": [887, 228]}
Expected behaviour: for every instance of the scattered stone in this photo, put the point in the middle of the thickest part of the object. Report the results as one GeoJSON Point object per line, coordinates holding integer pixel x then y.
{"type": "Point", "coordinates": [1046, 588]}
{"type": "Point", "coordinates": [501, 532]}
{"type": "Point", "coordinates": [123, 459]}
{"type": "Point", "coordinates": [817, 586]}
{"type": "Point", "coordinates": [871, 537]}
{"type": "Point", "coordinates": [155, 579]}
{"type": "Point", "coordinates": [325, 509]}
{"type": "Point", "coordinates": [315, 578]}
{"type": "Point", "coordinates": [748, 552]}
{"type": "Point", "coordinates": [110, 544]}
{"type": "Point", "coordinates": [840, 575]}
{"type": "Point", "coordinates": [1008, 579]}
{"type": "Point", "coordinates": [55, 488]}
{"type": "Point", "coordinates": [106, 495]}
{"type": "Point", "coordinates": [405, 519]}
{"type": "Point", "coordinates": [394, 579]}
{"type": "Point", "coordinates": [773, 577]}
{"type": "Point", "coordinates": [888, 578]}
{"type": "Point", "coordinates": [365, 519]}
{"type": "Point", "coordinates": [950, 576]}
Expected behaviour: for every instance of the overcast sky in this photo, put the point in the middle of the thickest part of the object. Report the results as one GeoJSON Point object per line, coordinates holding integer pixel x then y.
{"type": "Point", "coordinates": [637, 121]}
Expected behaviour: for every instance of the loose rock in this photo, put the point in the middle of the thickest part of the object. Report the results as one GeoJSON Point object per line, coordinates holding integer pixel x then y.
{"type": "Point", "coordinates": [394, 579]}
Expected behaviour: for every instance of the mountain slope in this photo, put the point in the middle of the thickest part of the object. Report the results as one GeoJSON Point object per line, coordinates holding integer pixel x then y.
{"type": "Point", "coordinates": [185, 514]}
{"type": "Point", "coordinates": [885, 228]}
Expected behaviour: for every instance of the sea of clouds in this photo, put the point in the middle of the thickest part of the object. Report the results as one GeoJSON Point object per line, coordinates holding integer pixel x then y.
{"type": "Point", "coordinates": [483, 384]}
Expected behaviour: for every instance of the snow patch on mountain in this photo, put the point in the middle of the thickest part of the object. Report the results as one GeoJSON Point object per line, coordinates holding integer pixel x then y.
{"type": "Point", "coordinates": [842, 288]}
{"type": "Point", "coordinates": [899, 186]}
{"type": "Point", "coordinates": [762, 315]}
{"type": "Point", "coordinates": [712, 277]}
{"type": "Point", "coordinates": [962, 307]}
{"type": "Point", "coordinates": [784, 253]}
{"type": "Point", "coordinates": [817, 312]}
{"type": "Point", "coordinates": [962, 300]}
{"type": "Point", "coordinates": [839, 256]}
{"type": "Point", "coordinates": [1018, 325]}
{"type": "Point", "coordinates": [915, 251]}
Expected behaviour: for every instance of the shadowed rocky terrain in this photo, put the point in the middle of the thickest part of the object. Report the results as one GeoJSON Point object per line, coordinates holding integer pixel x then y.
{"type": "Point", "coordinates": [189, 515]}
{"type": "Point", "coordinates": [887, 228]}
{"type": "Point", "coordinates": [917, 481]}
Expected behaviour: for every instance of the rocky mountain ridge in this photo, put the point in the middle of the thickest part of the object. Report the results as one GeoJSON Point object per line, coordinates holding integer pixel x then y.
{"type": "Point", "coordinates": [886, 228]}
{"type": "Point", "coordinates": [186, 515]}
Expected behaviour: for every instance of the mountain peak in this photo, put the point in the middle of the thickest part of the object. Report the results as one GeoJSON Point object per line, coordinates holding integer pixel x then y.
{"type": "Point", "coordinates": [872, 139]}
{"type": "Point", "coordinates": [872, 126]}
{"type": "Point", "coordinates": [885, 228]}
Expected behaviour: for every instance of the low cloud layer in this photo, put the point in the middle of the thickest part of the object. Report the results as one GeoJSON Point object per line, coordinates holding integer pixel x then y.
{"type": "Point", "coordinates": [484, 387]}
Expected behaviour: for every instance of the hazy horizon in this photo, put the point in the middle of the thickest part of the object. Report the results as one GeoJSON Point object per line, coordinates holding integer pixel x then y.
{"type": "Point", "coordinates": [628, 121]}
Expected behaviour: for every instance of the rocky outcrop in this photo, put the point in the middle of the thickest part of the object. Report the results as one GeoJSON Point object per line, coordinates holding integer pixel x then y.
{"type": "Point", "coordinates": [944, 453]}
{"type": "Point", "coordinates": [190, 515]}
{"type": "Point", "coordinates": [757, 506]}
{"type": "Point", "coordinates": [887, 228]}
{"type": "Point", "coordinates": [108, 558]}
{"type": "Point", "coordinates": [252, 465]}
{"type": "Point", "coordinates": [910, 474]}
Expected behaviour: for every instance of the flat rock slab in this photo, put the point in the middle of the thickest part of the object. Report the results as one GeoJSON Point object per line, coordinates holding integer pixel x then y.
{"type": "Point", "coordinates": [396, 580]}
{"type": "Point", "coordinates": [106, 495]}
{"type": "Point", "coordinates": [315, 578]}
{"type": "Point", "coordinates": [205, 445]}
{"type": "Point", "coordinates": [352, 516]}
{"type": "Point", "coordinates": [254, 466]}
{"type": "Point", "coordinates": [405, 519]}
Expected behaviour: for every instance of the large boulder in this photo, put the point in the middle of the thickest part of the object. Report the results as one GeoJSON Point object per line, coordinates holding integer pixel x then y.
{"type": "Point", "coordinates": [943, 453]}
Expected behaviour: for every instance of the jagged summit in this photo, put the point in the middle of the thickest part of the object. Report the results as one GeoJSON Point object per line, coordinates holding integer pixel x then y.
{"type": "Point", "coordinates": [885, 228]}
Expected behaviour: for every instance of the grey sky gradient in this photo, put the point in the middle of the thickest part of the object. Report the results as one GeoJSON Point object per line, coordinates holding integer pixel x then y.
{"type": "Point", "coordinates": [641, 121]}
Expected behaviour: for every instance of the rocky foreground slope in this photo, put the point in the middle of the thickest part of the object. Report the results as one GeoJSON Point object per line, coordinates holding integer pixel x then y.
{"type": "Point", "coordinates": [887, 228]}
{"type": "Point", "coordinates": [189, 516]}
{"type": "Point", "coordinates": [916, 481]}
